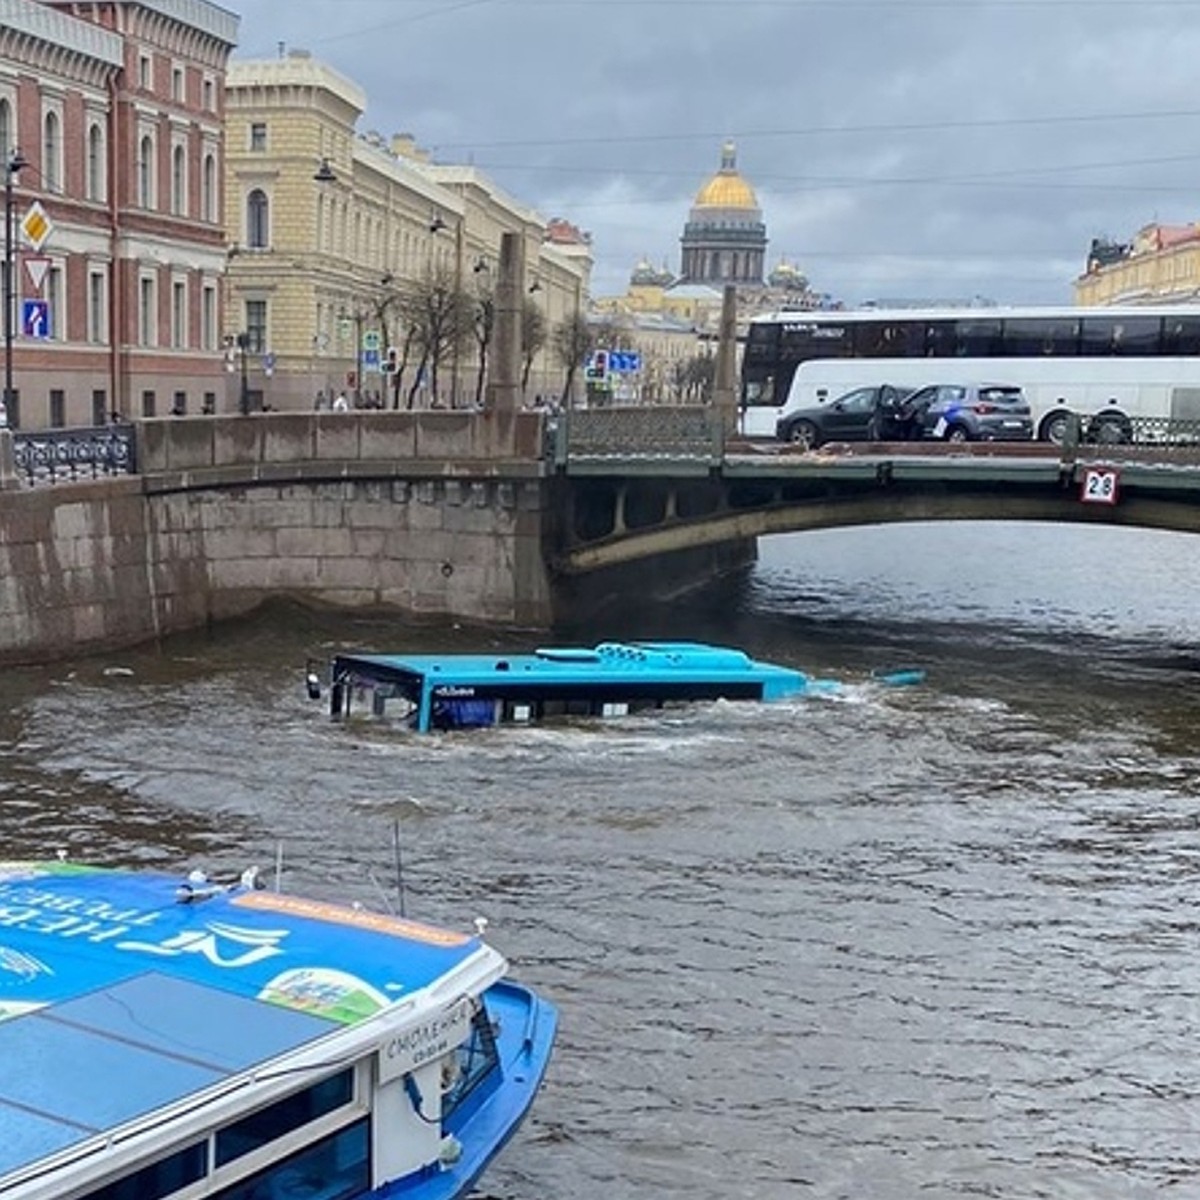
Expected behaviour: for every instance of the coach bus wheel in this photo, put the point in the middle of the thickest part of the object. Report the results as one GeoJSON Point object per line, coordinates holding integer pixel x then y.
{"type": "Point", "coordinates": [804, 433]}
{"type": "Point", "coordinates": [1110, 429]}
{"type": "Point", "coordinates": [1054, 428]}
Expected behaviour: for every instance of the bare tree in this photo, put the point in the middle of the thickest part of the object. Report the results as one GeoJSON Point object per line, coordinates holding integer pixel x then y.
{"type": "Point", "coordinates": [483, 326]}
{"type": "Point", "coordinates": [572, 341]}
{"type": "Point", "coordinates": [533, 338]}
{"type": "Point", "coordinates": [438, 315]}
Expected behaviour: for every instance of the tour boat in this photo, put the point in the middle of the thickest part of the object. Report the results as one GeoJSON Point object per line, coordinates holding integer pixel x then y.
{"type": "Point", "coordinates": [612, 679]}
{"type": "Point", "coordinates": [164, 1037]}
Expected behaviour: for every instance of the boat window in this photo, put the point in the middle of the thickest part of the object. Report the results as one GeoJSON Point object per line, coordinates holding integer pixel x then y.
{"type": "Point", "coordinates": [162, 1178]}
{"type": "Point", "coordinates": [474, 1059]}
{"type": "Point", "coordinates": [335, 1168]}
{"type": "Point", "coordinates": [283, 1116]}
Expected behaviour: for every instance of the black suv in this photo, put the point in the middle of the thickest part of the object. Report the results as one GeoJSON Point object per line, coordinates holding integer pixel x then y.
{"type": "Point", "coordinates": [869, 414]}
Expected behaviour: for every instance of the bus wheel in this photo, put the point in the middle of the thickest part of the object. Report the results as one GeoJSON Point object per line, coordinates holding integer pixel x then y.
{"type": "Point", "coordinates": [1110, 429]}
{"type": "Point", "coordinates": [1054, 428]}
{"type": "Point", "coordinates": [804, 433]}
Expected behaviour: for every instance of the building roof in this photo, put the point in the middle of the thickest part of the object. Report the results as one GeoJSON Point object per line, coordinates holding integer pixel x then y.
{"type": "Point", "coordinates": [727, 189]}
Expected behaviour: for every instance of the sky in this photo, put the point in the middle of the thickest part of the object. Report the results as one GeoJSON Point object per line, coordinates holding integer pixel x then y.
{"type": "Point", "coordinates": [900, 149]}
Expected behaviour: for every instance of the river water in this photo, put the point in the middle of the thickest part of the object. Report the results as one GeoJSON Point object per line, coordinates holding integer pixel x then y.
{"type": "Point", "coordinates": [916, 943]}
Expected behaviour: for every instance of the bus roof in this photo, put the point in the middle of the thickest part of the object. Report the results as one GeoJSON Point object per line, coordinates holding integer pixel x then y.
{"type": "Point", "coordinates": [999, 313]}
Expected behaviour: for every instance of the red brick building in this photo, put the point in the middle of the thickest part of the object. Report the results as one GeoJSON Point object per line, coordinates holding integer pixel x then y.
{"type": "Point", "coordinates": [116, 107]}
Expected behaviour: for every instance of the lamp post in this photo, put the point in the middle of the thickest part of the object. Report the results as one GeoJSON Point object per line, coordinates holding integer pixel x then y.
{"type": "Point", "coordinates": [243, 341]}
{"type": "Point", "coordinates": [13, 163]}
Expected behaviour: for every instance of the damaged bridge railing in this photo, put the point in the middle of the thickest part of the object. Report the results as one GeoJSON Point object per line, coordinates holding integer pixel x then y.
{"type": "Point", "coordinates": [691, 434]}
{"type": "Point", "coordinates": [69, 455]}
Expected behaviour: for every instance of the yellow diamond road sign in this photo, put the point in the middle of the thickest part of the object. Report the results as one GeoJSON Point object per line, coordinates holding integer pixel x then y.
{"type": "Point", "coordinates": [36, 226]}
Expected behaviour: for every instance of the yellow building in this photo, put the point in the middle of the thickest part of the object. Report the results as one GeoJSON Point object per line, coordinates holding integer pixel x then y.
{"type": "Point", "coordinates": [330, 229]}
{"type": "Point", "coordinates": [1161, 265]}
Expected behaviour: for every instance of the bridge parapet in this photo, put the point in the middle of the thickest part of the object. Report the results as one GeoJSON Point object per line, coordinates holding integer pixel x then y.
{"type": "Point", "coordinates": [672, 433]}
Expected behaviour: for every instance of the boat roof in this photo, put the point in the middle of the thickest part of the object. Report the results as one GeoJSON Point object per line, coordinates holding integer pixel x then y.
{"type": "Point", "coordinates": [121, 993]}
{"type": "Point", "coordinates": [677, 661]}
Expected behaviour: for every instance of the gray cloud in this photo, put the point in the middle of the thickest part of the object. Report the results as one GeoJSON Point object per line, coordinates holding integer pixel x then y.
{"type": "Point", "coordinates": [922, 148]}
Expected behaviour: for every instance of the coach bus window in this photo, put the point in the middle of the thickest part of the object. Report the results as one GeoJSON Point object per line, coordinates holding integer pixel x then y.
{"type": "Point", "coordinates": [939, 339]}
{"type": "Point", "coordinates": [762, 342]}
{"type": "Point", "coordinates": [1137, 335]}
{"type": "Point", "coordinates": [1031, 337]}
{"type": "Point", "coordinates": [1181, 335]}
{"type": "Point", "coordinates": [977, 339]}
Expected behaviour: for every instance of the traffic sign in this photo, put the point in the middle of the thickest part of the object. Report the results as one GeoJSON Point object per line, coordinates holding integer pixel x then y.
{"type": "Point", "coordinates": [268, 364]}
{"type": "Point", "coordinates": [35, 318]}
{"type": "Point", "coordinates": [36, 225]}
{"type": "Point", "coordinates": [37, 267]}
{"type": "Point", "coordinates": [370, 360]}
{"type": "Point", "coordinates": [372, 340]}
{"type": "Point", "coordinates": [624, 361]}
{"type": "Point", "coordinates": [1101, 485]}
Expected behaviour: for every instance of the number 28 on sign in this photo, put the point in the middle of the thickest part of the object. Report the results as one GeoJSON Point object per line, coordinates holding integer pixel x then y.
{"type": "Point", "coordinates": [1100, 485]}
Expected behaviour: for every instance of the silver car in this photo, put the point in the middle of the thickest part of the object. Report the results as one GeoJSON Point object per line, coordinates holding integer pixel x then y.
{"type": "Point", "coordinates": [973, 412]}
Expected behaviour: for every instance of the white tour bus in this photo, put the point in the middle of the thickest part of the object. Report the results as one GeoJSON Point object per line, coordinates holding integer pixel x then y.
{"type": "Point", "coordinates": [1106, 364]}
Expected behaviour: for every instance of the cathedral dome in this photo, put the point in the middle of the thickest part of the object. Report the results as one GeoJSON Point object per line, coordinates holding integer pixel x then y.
{"type": "Point", "coordinates": [727, 189]}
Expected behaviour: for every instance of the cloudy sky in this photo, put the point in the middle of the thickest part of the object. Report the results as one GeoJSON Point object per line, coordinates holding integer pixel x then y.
{"type": "Point", "coordinates": [926, 149]}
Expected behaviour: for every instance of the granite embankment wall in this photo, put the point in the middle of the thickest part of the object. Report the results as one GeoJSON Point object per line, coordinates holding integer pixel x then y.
{"type": "Point", "coordinates": [432, 514]}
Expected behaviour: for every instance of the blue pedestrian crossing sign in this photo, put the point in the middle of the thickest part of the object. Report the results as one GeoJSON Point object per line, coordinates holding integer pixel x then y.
{"type": "Point", "coordinates": [35, 318]}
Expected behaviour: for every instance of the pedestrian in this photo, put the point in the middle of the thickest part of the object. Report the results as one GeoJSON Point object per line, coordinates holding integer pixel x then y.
{"type": "Point", "coordinates": [339, 403]}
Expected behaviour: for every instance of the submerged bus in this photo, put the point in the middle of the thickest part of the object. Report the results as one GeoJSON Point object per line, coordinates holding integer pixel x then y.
{"type": "Point", "coordinates": [1107, 365]}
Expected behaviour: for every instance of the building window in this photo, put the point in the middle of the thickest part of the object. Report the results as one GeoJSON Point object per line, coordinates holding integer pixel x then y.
{"type": "Point", "coordinates": [179, 314]}
{"type": "Point", "coordinates": [209, 405]}
{"type": "Point", "coordinates": [97, 313]}
{"type": "Point", "coordinates": [258, 137]}
{"type": "Point", "coordinates": [6, 128]}
{"type": "Point", "coordinates": [208, 317]}
{"type": "Point", "coordinates": [209, 187]}
{"type": "Point", "coordinates": [178, 181]}
{"type": "Point", "coordinates": [147, 311]}
{"type": "Point", "coordinates": [177, 84]}
{"type": "Point", "coordinates": [256, 326]}
{"type": "Point", "coordinates": [96, 188]}
{"type": "Point", "coordinates": [145, 168]}
{"type": "Point", "coordinates": [58, 408]}
{"type": "Point", "coordinates": [145, 74]}
{"type": "Point", "coordinates": [55, 298]}
{"type": "Point", "coordinates": [209, 96]}
{"type": "Point", "coordinates": [148, 404]}
{"type": "Point", "coordinates": [257, 220]}
{"type": "Point", "coordinates": [51, 152]}
{"type": "Point", "coordinates": [179, 405]}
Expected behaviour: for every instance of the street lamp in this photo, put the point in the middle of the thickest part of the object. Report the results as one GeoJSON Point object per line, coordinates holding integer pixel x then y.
{"type": "Point", "coordinates": [15, 162]}
{"type": "Point", "coordinates": [243, 344]}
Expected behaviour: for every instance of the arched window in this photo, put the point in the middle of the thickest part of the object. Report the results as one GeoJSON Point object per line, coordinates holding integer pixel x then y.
{"type": "Point", "coordinates": [146, 172]}
{"type": "Point", "coordinates": [6, 128]}
{"type": "Point", "coordinates": [178, 181]}
{"type": "Point", "coordinates": [95, 163]}
{"type": "Point", "coordinates": [51, 153]}
{"type": "Point", "coordinates": [209, 201]}
{"type": "Point", "coordinates": [257, 220]}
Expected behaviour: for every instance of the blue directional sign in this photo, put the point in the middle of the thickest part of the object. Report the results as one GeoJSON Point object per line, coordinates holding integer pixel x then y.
{"type": "Point", "coordinates": [624, 361]}
{"type": "Point", "coordinates": [35, 318]}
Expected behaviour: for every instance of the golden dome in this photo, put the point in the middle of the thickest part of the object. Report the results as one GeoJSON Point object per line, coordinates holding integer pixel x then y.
{"type": "Point", "coordinates": [727, 189]}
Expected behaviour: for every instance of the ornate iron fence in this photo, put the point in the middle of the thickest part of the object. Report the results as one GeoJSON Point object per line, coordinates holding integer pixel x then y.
{"type": "Point", "coordinates": [643, 432]}
{"type": "Point", "coordinates": [71, 455]}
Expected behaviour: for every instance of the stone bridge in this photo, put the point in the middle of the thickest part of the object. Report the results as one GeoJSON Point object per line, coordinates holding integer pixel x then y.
{"type": "Point", "coordinates": [500, 518]}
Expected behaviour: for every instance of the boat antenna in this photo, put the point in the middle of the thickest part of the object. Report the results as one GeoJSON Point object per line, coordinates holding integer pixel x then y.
{"type": "Point", "coordinates": [399, 864]}
{"type": "Point", "coordinates": [279, 866]}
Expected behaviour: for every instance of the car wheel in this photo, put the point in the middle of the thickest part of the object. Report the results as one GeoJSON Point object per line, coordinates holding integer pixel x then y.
{"type": "Point", "coordinates": [957, 433]}
{"type": "Point", "coordinates": [804, 433]}
{"type": "Point", "coordinates": [1054, 428]}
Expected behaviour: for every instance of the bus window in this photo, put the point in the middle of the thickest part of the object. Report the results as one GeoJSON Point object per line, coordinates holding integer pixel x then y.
{"type": "Point", "coordinates": [1120, 335]}
{"type": "Point", "coordinates": [762, 342]}
{"type": "Point", "coordinates": [1181, 335]}
{"type": "Point", "coordinates": [939, 339]}
{"type": "Point", "coordinates": [1032, 337]}
{"type": "Point", "coordinates": [882, 339]}
{"type": "Point", "coordinates": [977, 338]}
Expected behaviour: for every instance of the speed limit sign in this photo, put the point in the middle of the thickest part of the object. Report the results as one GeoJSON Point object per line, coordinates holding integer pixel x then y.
{"type": "Point", "coordinates": [1100, 485]}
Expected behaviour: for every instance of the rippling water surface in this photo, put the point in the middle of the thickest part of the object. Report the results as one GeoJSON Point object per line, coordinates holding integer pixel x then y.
{"type": "Point", "coordinates": [930, 942]}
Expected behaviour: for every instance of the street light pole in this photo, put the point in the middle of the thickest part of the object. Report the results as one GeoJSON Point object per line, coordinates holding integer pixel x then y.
{"type": "Point", "coordinates": [15, 162]}
{"type": "Point", "coordinates": [244, 403]}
